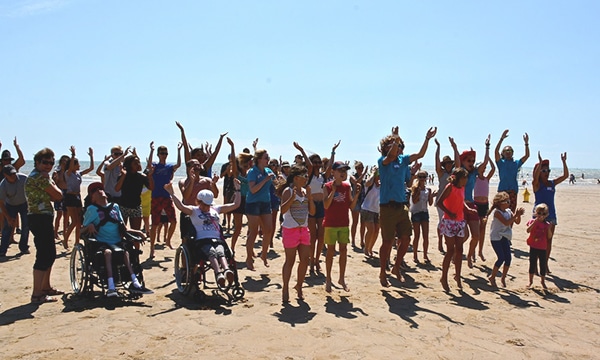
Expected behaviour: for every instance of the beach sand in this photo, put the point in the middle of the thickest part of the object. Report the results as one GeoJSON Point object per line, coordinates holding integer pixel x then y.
{"type": "Point", "coordinates": [415, 319]}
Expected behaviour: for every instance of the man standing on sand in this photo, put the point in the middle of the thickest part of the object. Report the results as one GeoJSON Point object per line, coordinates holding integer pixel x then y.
{"type": "Point", "coordinates": [13, 203]}
{"type": "Point", "coordinates": [394, 172]}
{"type": "Point", "coordinates": [112, 170]}
{"type": "Point", "coordinates": [161, 199]}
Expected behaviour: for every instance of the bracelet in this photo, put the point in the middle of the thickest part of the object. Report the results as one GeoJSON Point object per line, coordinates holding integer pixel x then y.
{"type": "Point", "coordinates": [526, 144]}
{"type": "Point", "coordinates": [332, 153]}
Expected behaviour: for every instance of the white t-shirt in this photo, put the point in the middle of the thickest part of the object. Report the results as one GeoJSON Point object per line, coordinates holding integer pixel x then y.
{"type": "Point", "coordinates": [206, 223]}
{"type": "Point", "coordinates": [498, 230]}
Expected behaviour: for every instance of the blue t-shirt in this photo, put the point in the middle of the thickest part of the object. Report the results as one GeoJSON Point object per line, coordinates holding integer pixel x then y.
{"type": "Point", "coordinates": [257, 176]}
{"type": "Point", "coordinates": [507, 171]}
{"type": "Point", "coordinates": [393, 178]}
{"type": "Point", "coordinates": [470, 185]}
{"type": "Point", "coordinates": [109, 232]}
{"type": "Point", "coordinates": [163, 173]}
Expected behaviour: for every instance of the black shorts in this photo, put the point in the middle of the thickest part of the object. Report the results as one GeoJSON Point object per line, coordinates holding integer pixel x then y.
{"type": "Point", "coordinates": [72, 200]}
{"type": "Point", "coordinates": [482, 209]}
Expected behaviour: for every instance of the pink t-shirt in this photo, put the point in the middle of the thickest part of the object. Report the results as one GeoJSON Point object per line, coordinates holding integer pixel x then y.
{"type": "Point", "coordinates": [538, 236]}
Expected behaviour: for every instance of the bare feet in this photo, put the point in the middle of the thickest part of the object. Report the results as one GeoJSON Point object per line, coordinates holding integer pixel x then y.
{"type": "Point", "coordinates": [544, 284]}
{"type": "Point", "coordinates": [458, 282]}
{"type": "Point", "coordinates": [250, 264]}
{"type": "Point", "coordinates": [264, 259]}
{"type": "Point", "coordinates": [529, 285]}
{"type": "Point", "coordinates": [396, 271]}
{"type": "Point", "coordinates": [383, 281]}
{"type": "Point", "coordinates": [328, 286]}
{"type": "Point", "coordinates": [298, 289]}
{"type": "Point", "coordinates": [481, 257]}
{"type": "Point", "coordinates": [344, 285]}
{"type": "Point", "coordinates": [503, 281]}
{"type": "Point", "coordinates": [65, 244]}
{"type": "Point", "coordinates": [469, 262]}
{"type": "Point", "coordinates": [493, 281]}
{"type": "Point", "coordinates": [444, 283]}
{"type": "Point", "coordinates": [285, 297]}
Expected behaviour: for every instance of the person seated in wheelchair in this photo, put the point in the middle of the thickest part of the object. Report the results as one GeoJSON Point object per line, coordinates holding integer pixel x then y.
{"type": "Point", "coordinates": [205, 218]}
{"type": "Point", "coordinates": [103, 221]}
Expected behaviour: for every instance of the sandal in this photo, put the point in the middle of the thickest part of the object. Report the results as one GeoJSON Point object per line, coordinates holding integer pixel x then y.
{"type": "Point", "coordinates": [40, 299]}
{"type": "Point", "coordinates": [54, 292]}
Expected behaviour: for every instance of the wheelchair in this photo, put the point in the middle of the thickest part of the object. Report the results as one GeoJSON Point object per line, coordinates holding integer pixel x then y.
{"type": "Point", "coordinates": [88, 266]}
{"type": "Point", "coordinates": [191, 272]}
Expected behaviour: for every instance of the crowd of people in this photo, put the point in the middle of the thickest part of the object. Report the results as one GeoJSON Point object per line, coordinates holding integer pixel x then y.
{"type": "Point", "coordinates": [318, 204]}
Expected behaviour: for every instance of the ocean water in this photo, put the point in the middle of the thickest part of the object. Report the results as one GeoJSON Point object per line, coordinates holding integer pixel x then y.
{"type": "Point", "coordinates": [584, 177]}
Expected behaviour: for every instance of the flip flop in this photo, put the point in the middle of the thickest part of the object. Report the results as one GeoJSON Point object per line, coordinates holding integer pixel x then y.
{"type": "Point", "coordinates": [40, 299]}
{"type": "Point", "coordinates": [54, 292]}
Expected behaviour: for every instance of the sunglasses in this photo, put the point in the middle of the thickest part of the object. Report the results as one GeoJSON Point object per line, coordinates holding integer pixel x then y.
{"type": "Point", "coordinates": [117, 153]}
{"type": "Point", "coordinates": [48, 162]}
{"type": "Point", "coordinates": [541, 214]}
{"type": "Point", "coordinates": [422, 176]}
{"type": "Point", "coordinates": [546, 171]}
{"type": "Point", "coordinates": [163, 153]}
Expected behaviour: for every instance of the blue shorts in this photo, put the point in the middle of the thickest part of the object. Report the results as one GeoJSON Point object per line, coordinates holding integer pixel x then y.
{"type": "Point", "coordinates": [421, 216]}
{"type": "Point", "coordinates": [319, 211]}
{"type": "Point", "coordinates": [258, 208]}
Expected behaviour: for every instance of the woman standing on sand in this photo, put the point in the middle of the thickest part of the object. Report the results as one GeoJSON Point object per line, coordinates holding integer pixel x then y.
{"type": "Point", "coordinates": [508, 168]}
{"type": "Point", "coordinates": [544, 190]}
{"type": "Point", "coordinates": [296, 205]}
{"type": "Point", "coordinates": [41, 190]}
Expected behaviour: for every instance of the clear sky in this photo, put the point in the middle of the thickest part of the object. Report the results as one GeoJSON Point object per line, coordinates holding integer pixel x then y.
{"type": "Point", "coordinates": [100, 73]}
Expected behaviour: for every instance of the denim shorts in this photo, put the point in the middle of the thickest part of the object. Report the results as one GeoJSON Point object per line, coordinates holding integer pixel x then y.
{"type": "Point", "coordinates": [258, 208]}
{"type": "Point", "coordinates": [421, 216]}
{"type": "Point", "coordinates": [319, 210]}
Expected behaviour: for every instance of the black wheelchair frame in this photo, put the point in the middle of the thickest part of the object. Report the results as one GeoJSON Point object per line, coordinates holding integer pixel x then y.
{"type": "Point", "coordinates": [190, 273]}
{"type": "Point", "coordinates": [88, 268]}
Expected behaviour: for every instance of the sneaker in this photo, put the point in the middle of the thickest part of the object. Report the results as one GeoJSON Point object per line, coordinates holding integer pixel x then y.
{"type": "Point", "coordinates": [221, 280]}
{"type": "Point", "coordinates": [25, 252]}
{"type": "Point", "coordinates": [140, 290]}
{"type": "Point", "coordinates": [112, 293]}
{"type": "Point", "coordinates": [230, 276]}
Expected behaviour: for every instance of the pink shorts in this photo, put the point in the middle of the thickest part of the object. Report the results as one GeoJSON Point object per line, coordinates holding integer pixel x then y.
{"type": "Point", "coordinates": [292, 237]}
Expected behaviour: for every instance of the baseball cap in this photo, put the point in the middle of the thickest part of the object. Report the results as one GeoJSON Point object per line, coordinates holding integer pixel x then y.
{"type": "Point", "coordinates": [93, 187]}
{"type": "Point", "coordinates": [340, 165]}
{"type": "Point", "coordinates": [206, 196]}
{"type": "Point", "coordinates": [285, 164]}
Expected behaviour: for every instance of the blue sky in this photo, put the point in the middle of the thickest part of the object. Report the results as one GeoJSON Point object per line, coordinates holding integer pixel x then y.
{"type": "Point", "coordinates": [99, 73]}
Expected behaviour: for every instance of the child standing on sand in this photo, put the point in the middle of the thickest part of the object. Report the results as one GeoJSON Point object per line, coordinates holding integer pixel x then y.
{"type": "Point", "coordinates": [452, 203]}
{"type": "Point", "coordinates": [539, 232]}
{"type": "Point", "coordinates": [338, 200]}
{"type": "Point", "coordinates": [501, 233]}
{"type": "Point", "coordinates": [421, 198]}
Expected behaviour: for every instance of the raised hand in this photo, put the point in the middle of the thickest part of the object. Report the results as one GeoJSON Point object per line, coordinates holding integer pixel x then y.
{"type": "Point", "coordinates": [431, 132]}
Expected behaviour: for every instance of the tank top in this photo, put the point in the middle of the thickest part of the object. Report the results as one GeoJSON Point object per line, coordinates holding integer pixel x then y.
{"type": "Point", "coordinates": [455, 203]}
{"type": "Point", "coordinates": [297, 215]}
{"type": "Point", "coordinates": [482, 187]}
{"type": "Point", "coordinates": [337, 214]}
{"type": "Point", "coordinates": [316, 184]}
{"type": "Point", "coordinates": [545, 195]}
{"type": "Point", "coordinates": [73, 181]}
{"type": "Point", "coordinates": [443, 182]}
{"type": "Point", "coordinates": [421, 205]}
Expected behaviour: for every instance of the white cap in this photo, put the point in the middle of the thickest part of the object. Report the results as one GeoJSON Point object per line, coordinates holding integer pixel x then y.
{"type": "Point", "coordinates": [206, 196]}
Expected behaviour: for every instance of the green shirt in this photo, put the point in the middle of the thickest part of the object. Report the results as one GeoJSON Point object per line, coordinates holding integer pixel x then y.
{"type": "Point", "coordinates": [38, 200]}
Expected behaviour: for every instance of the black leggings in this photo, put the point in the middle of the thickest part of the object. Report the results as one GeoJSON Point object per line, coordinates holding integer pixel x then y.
{"type": "Point", "coordinates": [534, 255]}
{"type": "Point", "coordinates": [42, 228]}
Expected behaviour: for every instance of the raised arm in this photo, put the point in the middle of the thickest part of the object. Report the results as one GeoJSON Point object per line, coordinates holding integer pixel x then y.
{"type": "Point", "coordinates": [535, 183]}
{"type": "Point", "coordinates": [430, 134]}
{"type": "Point", "coordinates": [233, 169]}
{"type": "Point", "coordinates": [178, 165]}
{"type": "Point", "coordinates": [186, 148]}
{"type": "Point", "coordinates": [91, 167]}
{"type": "Point", "coordinates": [178, 204]}
{"type": "Point", "coordinates": [565, 175]}
{"type": "Point", "coordinates": [237, 198]}
{"type": "Point", "coordinates": [20, 158]}
{"type": "Point", "coordinates": [309, 165]}
{"type": "Point", "coordinates": [100, 170]}
{"type": "Point", "coordinates": [71, 168]}
{"type": "Point", "coordinates": [497, 154]}
{"type": "Point", "coordinates": [526, 141]}
{"type": "Point", "coordinates": [456, 153]}
{"type": "Point", "coordinates": [213, 156]}
{"type": "Point", "coordinates": [331, 160]}
{"type": "Point", "coordinates": [438, 162]}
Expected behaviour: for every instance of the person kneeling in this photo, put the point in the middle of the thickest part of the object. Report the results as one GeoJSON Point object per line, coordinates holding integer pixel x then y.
{"type": "Point", "coordinates": [205, 218]}
{"type": "Point", "coordinates": [103, 220]}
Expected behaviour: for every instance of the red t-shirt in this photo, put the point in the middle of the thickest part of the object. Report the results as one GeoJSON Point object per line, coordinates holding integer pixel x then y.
{"type": "Point", "coordinates": [337, 213]}
{"type": "Point", "coordinates": [538, 235]}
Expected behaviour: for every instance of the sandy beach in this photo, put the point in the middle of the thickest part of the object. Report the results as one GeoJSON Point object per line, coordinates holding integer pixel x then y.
{"type": "Point", "coordinates": [415, 319]}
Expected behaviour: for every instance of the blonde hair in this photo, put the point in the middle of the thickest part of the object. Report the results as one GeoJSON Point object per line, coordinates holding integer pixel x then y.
{"type": "Point", "coordinates": [498, 198]}
{"type": "Point", "coordinates": [542, 207]}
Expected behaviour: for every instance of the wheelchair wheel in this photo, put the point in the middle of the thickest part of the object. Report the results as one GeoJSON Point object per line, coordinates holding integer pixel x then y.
{"type": "Point", "coordinates": [238, 293]}
{"type": "Point", "coordinates": [183, 270]}
{"type": "Point", "coordinates": [78, 270]}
